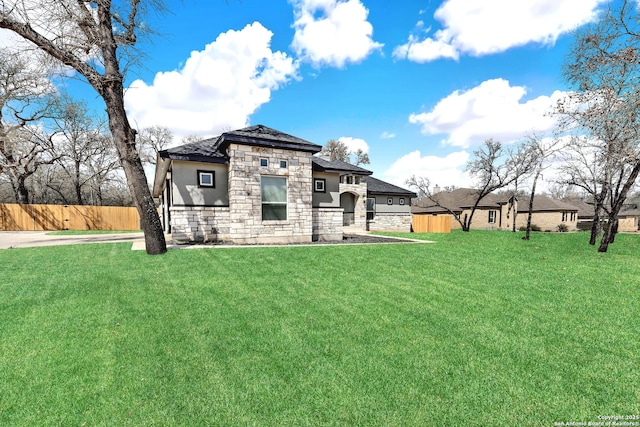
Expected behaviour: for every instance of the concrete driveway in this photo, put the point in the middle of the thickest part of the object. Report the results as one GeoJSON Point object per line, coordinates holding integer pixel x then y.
{"type": "Point", "coordinates": [27, 239]}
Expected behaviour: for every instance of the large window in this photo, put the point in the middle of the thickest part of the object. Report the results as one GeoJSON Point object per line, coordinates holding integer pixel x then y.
{"type": "Point", "coordinates": [274, 198]}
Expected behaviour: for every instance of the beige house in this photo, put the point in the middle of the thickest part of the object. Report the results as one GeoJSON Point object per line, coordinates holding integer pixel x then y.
{"type": "Point", "coordinates": [497, 213]}
{"type": "Point", "coordinates": [547, 213]}
{"type": "Point", "coordinates": [491, 213]}
{"type": "Point", "coordinates": [260, 185]}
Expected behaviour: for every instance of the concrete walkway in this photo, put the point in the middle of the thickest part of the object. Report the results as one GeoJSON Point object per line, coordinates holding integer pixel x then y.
{"type": "Point", "coordinates": [29, 239]}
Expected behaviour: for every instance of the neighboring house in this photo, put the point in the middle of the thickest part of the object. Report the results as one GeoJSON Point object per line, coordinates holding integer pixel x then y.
{"type": "Point", "coordinates": [492, 212]}
{"type": "Point", "coordinates": [547, 213]}
{"type": "Point", "coordinates": [627, 217]}
{"type": "Point", "coordinates": [260, 185]}
{"type": "Point", "coordinates": [496, 212]}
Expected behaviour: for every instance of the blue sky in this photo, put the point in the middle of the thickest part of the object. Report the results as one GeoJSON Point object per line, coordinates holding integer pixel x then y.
{"type": "Point", "coordinates": [418, 84]}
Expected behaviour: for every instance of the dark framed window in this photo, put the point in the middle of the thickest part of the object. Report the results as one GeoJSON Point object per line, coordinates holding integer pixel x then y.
{"type": "Point", "coordinates": [371, 209]}
{"type": "Point", "coordinates": [564, 216]}
{"type": "Point", "coordinates": [264, 162]}
{"type": "Point", "coordinates": [206, 179]}
{"type": "Point", "coordinates": [401, 201]}
{"type": "Point", "coordinates": [389, 200]}
{"type": "Point", "coordinates": [349, 179]}
{"type": "Point", "coordinates": [320, 185]}
{"type": "Point", "coordinates": [492, 217]}
{"type": "Point", "coordinates": [283, 164]}
{"type": "Point", "coordinates": [274, 198]}
{"type": "Point", "coordinates": [573, 216]}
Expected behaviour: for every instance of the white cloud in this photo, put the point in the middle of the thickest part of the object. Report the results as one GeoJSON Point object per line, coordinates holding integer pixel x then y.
{"type": "Point", "coordinates": [332, 32]}
{"type": "Point", "coordinates": [491, 26]}
{"type": "Point", "coordinates": [217, 89]}
{"type": "Point", "coordinates": [354, 144]}
{"type": "Point", "coordinates": [493, 109]}
{"type": "Point", "coordinates": [387, 135]}
{"type": "Point", "coordinates": [443, 171]}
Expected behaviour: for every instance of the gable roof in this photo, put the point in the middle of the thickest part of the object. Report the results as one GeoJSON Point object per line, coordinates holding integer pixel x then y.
{"type": "Point", "coordinates": [542, 203]}
{"type": "Point", "coordinates": [376, 186]}
{"type": "Point", "coordinates": [337, 166]}
{"type": "Point", "coordinates": [456, 201]}
{"type": "Point", "coordinates": [213, 150]}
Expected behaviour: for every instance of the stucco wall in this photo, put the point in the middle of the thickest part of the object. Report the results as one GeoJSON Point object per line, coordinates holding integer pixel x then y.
{"type": "Point", "coordinates": [185, 190]}
{"type": "Point", "coordinates": [331, 197]}
{"type": "Point", "coordinates": [245, 201]}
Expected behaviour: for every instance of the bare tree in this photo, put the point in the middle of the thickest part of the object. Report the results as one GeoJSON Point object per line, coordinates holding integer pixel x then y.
{"type": "Point", "coordinates": [152, 140]}
{"type": "Point", "coordinates": [540, 152]}
{"type": "Point", "coordinates": [94, 38]}
{"type": "Point", "coordinates": [603, 65]}
{"type": "Point", "coordinates": [80, 139]}
{"type": "Point", "coordinates": [338, 150]}
{"type": "Point", "coordinates": [335, 150]}
{"type": "Point", "coordinates": [493, 168]}
{"type": "Point", "coordinates": [25, 101]}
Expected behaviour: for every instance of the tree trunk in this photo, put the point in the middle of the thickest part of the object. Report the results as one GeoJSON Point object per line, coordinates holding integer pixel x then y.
{"type": "Point", "coordinates": [595, 228]}
{"type": "Point", "coordinates": [21, 192]}
{"type": "Point", "coordinates": [527, 234]}
{"type": "Point", "coordinates": [111, 89]}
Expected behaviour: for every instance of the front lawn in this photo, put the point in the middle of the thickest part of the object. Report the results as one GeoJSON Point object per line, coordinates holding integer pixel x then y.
{"type": "Point", "coordinates": [477, 329]}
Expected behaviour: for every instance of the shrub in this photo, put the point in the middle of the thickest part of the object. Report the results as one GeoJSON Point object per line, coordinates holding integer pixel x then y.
{"type": "Point", "coordinates": [563, 228]}
{"type": "Point", "coordinates": [533, 228]}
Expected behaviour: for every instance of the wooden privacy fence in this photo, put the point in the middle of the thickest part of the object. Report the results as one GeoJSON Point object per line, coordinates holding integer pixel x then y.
{"type": "Point", "coordinates": [14, 217]}
{"type": "Point", "coordinates": [431, 223]}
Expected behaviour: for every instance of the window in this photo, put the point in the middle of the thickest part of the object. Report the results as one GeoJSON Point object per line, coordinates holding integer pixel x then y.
{"type": "Point", "coordinates": [264, 163]}
{"type": "Point", "coordinates": [573, 216]}
{"type": "Point", "coordinates": [206, 179]}
{"type": "Point", "coordinates": [349, 179]}
{"type": "Point", "coordinates": [389, 200]}
{"type": "Point", "coordinates": [356, 180]}
{"type": "Point", "coordinates": [319, 185]}
{"type": "Point", "coordinates": [371, 209]}
{"type": "Point", "coordinates": [341, 179]}
{"type": "Point", "coordinates": [274, 198]}
{"type": "Point", "coordinates": [283, 164]}
{"type": "Point", "coordinates": [401, 201]}
{"type": "Point", "coordinates": [564, 216]}
{"type": "Point", "coordinates": [492, 217]}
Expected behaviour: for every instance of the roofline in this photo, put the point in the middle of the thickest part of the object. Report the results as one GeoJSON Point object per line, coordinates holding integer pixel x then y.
{"type": "Point", "coordinates": [263, 142]}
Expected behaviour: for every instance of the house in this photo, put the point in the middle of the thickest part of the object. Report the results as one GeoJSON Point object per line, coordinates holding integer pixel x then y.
{"type": "Point", "coordinates": [496, 212]}
{"type": "Point", "coordinates": [260, 185]}
{"type": "Point", "coordinates": [547, 213]}
{"type": "Point", "coordinates": [492, 212]}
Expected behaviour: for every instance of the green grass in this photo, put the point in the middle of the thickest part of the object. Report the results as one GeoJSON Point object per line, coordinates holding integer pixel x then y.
{"type": "Point", "coordinates": [478, 329]}
{"type": "Point", "coordinates": [85, 232]}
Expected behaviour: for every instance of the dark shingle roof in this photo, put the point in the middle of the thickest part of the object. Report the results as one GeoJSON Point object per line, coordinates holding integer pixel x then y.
{"type": "Point", "coordinates": [337, 166]}
{"type": "Point", "coordinates": [201, 151]}
{"type": "Point", "coordinates": [212, 150]}
{"type": "Point", "coordinates": [376, 186]}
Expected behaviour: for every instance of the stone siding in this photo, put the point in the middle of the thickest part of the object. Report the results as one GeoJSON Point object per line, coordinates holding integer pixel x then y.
{"type": "Point", "coordinates": [327, 224]}
{"type": "Point", "coordinates": [391, 222]}
{"type": "Point", "coordinates": [360, 207]}
{"type": "Point", "coordinates": [200, 224]}
{"type": "Point", "coordinates": [245, 202]}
